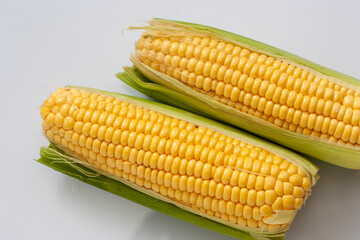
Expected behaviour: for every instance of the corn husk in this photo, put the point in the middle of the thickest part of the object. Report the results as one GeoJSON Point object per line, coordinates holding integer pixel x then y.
{"type": "Point", "coordinates": [64, 161]}
{"type": "Point", "coordinates": [343, 155]}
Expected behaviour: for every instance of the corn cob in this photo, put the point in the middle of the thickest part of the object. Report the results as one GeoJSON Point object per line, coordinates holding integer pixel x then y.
{"type": "Point", "coordinates": [274, 94]}
{"type": "Point", "coordinates": [211, 170]}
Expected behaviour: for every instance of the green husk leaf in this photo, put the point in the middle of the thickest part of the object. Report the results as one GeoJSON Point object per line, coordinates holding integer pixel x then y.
{"type": "Point", "coordinates": [335, 153]}
{"type": "Point", "coordinates": [72, 165]}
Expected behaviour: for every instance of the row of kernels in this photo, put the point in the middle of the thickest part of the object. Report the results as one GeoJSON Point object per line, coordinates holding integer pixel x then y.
{"type": "Point", "coordinates": [169, 163]}
{"type": "Point", "coordinates": [207, 202]}
{"type": "Point", "coordinates": [227, 211]}
{"type": "Point", "coordinates": [217, 190]}
{"type": "Point", "coordinates": [353, 138]}
{"type": "Point", "coordinates": [236, 50]}
{"type": "Point", "coordinates": [305, 103]}
{"type": "Point", "coordinates": [277, 94]}
{"type": "Point", "coordinates": [124, 124]}
{"type": "Point", "coordinates": [349, 101]}
{"type": "Point", "coordinates": [184, 49]}
{"type": "Point", "coordinates": [153, 143]}
{"type": "Point", "coordinates": [109, 134]}
{"type": "Point", "coordinates": [210, 156]}
{"type": "Point", "coordinates": [185, 183]}
{"type": "Point", "coordinates": [258, 62]}
{"type": "Point", "coordinates": [340, 130]}
{"type": "Point", "coordinates": [128, 111]}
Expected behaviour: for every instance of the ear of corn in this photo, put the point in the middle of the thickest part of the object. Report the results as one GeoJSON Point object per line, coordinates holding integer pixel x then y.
{"type": "Point", "coordinates": [264, 90]}
{"type": "Point", "coordinates": [176, 162]}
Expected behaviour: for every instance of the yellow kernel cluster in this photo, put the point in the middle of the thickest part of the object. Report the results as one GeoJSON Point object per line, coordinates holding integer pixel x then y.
{"type": "Point", "coordinates": [281, 93]}
{"type": "Point", "coordinates": [208, 171]}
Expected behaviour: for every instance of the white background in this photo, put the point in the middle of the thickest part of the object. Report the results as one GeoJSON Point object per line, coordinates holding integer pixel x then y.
{"type": "Point", "coordinates": [48, 44]}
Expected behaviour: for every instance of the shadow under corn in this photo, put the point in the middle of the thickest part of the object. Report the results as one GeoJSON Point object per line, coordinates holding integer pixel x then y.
{"type": "Point", "coordinates": [162, 227]}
